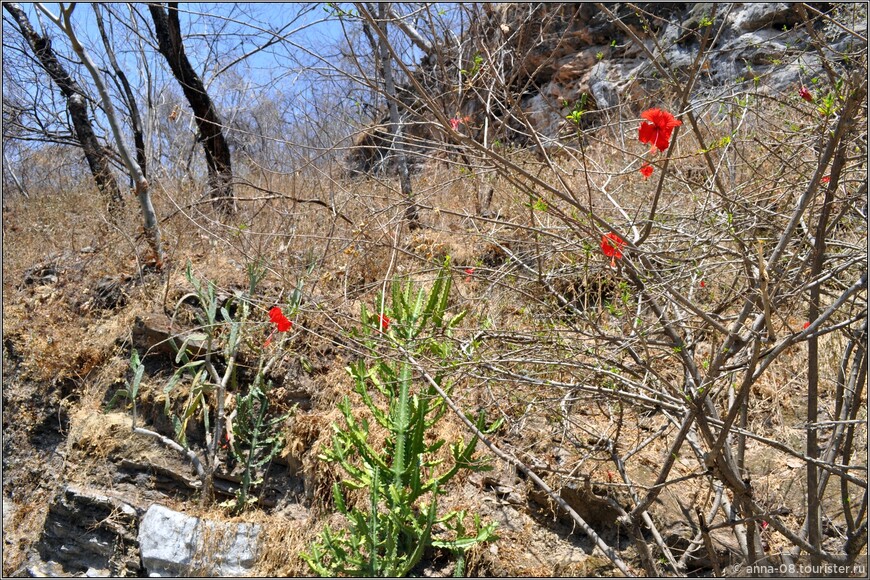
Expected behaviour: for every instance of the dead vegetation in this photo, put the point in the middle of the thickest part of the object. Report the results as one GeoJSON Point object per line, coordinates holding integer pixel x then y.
{"type": "Point", "coordinates": [594, 368]}
{"type": "Point", "coordinates": [69, 353]}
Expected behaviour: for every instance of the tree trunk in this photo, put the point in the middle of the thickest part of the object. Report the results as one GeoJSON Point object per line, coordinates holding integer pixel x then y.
{"type": "Point", "coordinates": [152, 229]}
{"type": "Point", "coordinates": [411, 214]}
{"type": "Point", "coordinates": [217, 152]}
{"type": "Point", "coordinates": [135, 119]}
{"type": "Point", "coordinates": [15, 179]}
{"type": "Point", "coordinates": [78, 111]}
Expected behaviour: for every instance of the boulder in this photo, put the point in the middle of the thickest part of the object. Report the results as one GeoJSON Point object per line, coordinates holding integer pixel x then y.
{"type": "Point", "coordinates": [603, 91]}
{"type": "Point", "coordinates": [752, 16]}
{"type": "Point", "coordinates": [175, 544]}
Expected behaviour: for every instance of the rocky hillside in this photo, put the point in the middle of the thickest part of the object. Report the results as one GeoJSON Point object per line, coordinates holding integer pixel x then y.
{"type": "Point", "coordinates": [602, 57]}
{"type": "Point", "coordinates": [625, 336]}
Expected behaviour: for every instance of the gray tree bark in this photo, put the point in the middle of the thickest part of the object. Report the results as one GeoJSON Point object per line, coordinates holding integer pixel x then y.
{"type": "Point", "coordinates": [396, 129]}
{"type": "Point", "coordinates": [152, 230]}
{"type": "Point", "coordinates": [135, 118]}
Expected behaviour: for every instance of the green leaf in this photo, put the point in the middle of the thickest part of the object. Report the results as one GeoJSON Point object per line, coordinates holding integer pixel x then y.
{"type": "Point", "coordinates": [338, 498]}
{"type": "Point", "coordinates": [456, 319]}
{"type": "Point", "coordinates": [120, 394]}
{"type": "Point", "coordinates": [191, 337]}
{"type": "Point", "coordinates": [391, 535]}
{"type": "Point", "coordinates": [444, 293]}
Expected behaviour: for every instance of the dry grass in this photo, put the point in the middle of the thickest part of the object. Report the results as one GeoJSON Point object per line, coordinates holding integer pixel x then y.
{"type": "Point", "coordinates": [345, 264]}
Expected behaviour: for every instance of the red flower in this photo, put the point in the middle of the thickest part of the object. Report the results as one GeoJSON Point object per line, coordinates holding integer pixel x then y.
{"type": "Point", "coordinates": [383, 322]}
{"type": "Point", "coordinates": [806, 325]}
{"type": "Point", "coordinates": [826, 179]}
{"type": "Point", "coordinates": [805, 94]}
{"type": "Point", "coordinates": [470, 273]}
{"type": "Point", "coordinates": [658, 131]}
{"type": "Point", "coordinates": [703, 284]}
{"type": "Point", "coordinates": [277, 317]}
{"type": "Point", "coordinates": [454, 123]}
{"type": "Point", "coordinates": [611, 246]}
{"type": "Point", "coordinates": [646, 170]}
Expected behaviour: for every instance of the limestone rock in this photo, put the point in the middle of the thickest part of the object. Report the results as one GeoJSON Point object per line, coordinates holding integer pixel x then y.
{"type": "Point", "coordinates": [175, 544]}
{"type": "Point", "coordinates": [556, 53]}
{"type": "Point", "coordinates": [603, 91]}
{"type": "Point", "coordinates": [752, 16]}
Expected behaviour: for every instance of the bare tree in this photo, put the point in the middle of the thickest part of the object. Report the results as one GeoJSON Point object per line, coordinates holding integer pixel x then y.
{"type": "Point", "coordinates": [217, 152]}
{"type": "Point", "coordinates": [396, 124]}
{"type": "Point", "coordinates": [152, 230]}
{"type": "Point", "coordinates": [135, 118]}
{"type": "Point", "coordinates": [76, 101]}
{"type": "Point", "coordinates": [696, 356]}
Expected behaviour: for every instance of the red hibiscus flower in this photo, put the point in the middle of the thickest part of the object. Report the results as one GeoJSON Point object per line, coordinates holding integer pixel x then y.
{"type": "Point", "coordinates": [383, 322]}
{"type": "Point", "coordinates": [611, 246]}
{"type": "Point", "coordinates": [277, 317]}
{"type": "Point", "coordinates": [659, 129]}
{"type": "Point", "coordinates": [646, 170]}
{"type": "Point", "coordinates": [805, 94]}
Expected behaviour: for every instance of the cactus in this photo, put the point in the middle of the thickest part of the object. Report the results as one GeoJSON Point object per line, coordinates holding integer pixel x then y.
{"type": "Point", "coordinates": [256, 437]}
{"type": "Point", "coordinates": [391, 536]}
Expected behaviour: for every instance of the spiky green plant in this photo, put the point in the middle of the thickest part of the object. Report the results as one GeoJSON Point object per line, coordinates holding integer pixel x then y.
{"type": "Point", "coordinates": [132, 387]}
{"type": "Point", "coordinates": [403, 476]}
{"type": "Point", "coordinates": [256, 436]}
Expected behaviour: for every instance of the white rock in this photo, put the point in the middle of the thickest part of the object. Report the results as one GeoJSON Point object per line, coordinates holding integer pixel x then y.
{"type": "Point", "coordinates": [174, 544]}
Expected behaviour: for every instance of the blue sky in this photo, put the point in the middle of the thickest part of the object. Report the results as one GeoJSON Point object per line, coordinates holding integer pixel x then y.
{"type": "Point", "coordinates": [243, 27]}
{"type": "Point", "coordinates": [310, 33]}
{"type": "Point", "coordinates": [216, 36]}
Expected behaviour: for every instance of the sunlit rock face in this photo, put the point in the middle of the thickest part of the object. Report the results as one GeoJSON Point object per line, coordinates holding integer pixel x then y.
{"type": "Point", "coordinates": [558, 57]}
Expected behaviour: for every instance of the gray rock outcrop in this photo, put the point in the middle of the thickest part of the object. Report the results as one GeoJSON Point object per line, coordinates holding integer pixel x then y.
{"type": "Point", "coordinates": [87, 533]}
{"type": "Point", "coordinates": [175, 544]}
{"type": "Point", "coordinates": [558, 56]}
{"type": "Point", "coordinates": [564, 51]}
